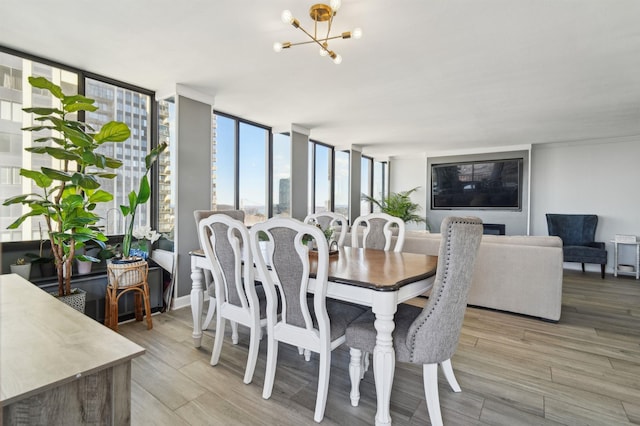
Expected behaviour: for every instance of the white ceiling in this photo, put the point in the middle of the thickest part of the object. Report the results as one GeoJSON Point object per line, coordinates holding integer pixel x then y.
{"type": "Point", "coordinates": [427, 76]}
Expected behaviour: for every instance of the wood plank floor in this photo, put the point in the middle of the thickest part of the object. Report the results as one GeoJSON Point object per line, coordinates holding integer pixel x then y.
{"type": "Point", "coordinates": [513, 370]}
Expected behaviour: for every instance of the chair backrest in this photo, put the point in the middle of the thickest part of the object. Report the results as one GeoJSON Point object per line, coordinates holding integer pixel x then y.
{"type": "Point", "coordinates": [288, 258]}
{"type": "Point", "coordinates": [330, 220]}
{"type": "Point", "coordinates": [202, 214]}
{"type": "Point", "coordinates": [433, 336]}
{"type": "Point", "coordinates": [377, 231]}
{"type": "Point", "coordinates": [573, 229]}
{"type": "Point", "coordinates": [225, 242]}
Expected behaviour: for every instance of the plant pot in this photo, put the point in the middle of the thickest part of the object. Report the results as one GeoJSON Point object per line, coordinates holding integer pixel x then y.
{"type": "Point", "coordinates": [23, 270]}
{"type": "Point", "coordinates": [84, 267]}
{"type": "Point", "coordinates": [77, 299]}
{"type": "Point", "coordinates": [47, 269]}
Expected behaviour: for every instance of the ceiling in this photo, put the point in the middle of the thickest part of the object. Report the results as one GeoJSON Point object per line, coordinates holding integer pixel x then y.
{"type": "Point", "coordinates": [427, 76]}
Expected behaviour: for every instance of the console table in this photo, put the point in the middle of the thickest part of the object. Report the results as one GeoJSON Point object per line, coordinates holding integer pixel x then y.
{"type": "Point", "coordinates": [616, 265]}
{"type": "Point", "coordinates": [59, 366]}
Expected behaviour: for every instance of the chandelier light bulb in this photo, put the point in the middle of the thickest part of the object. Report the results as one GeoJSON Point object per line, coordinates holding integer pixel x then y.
{"type": "Point", "coordinates": [337, 59]}
{"type": "Point", "coordinates": [357, 33]}
{"type": "Point", "coordinates": [335, 5]}
{"type": "Point", "coordinates": [277, 46]}
{"type": "Point", "coordinates": [287, 17]}
{"type": "Point", "coordinates": [323, 52]}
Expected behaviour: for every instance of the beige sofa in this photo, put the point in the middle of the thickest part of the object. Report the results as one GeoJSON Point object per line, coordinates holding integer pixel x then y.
{"type": "Point", "coordinates": [520, 274]}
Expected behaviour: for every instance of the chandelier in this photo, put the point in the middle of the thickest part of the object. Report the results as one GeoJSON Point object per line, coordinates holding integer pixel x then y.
{"type": "Point", "coordinates": [322, 15]}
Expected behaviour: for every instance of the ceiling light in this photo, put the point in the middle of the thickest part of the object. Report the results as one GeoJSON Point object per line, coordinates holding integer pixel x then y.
{"type": "Point", "coordinates": [322, 15]}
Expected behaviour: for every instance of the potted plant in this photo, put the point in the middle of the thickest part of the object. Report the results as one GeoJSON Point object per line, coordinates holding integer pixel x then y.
{"type": "Point", "coordinates": [117, 267]}
{"type": "Point", "coordinates": [137, 199]}
{"type": "Point", "coordinates": [146, 238]}
{"type": "Point", "coordinates": [69, 193]}
{"type": "Point", "coordinates": [399, 204]}
{"type": "Point", "coordinates": [21, 267]}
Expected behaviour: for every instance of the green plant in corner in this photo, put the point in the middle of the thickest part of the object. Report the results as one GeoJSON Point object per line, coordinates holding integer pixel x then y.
{"type": "Point", "coordinates": [398, 204]}
{"type": "Point", "coordinates": [69, 193]}
{"type": "Point", "coordinates": [139, 198]}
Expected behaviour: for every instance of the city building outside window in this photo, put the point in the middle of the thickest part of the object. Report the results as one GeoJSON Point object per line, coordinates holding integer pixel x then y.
{"type": "Point", "coordinates": [281, 170]}
{"type": "Point", "coordinates": [341, 183]}
{"type": "Point", "coordinates": [114, 102]}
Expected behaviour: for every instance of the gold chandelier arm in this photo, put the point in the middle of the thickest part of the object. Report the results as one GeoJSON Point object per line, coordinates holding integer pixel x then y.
{"type": "Point", "coordinates": [329, 27]}
{"type": "Point", "coordinates": [313, 39]}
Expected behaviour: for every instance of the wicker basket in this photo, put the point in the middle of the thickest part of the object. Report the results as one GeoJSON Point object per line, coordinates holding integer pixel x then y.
{"type": "Point", "coordinates": [121, 274]}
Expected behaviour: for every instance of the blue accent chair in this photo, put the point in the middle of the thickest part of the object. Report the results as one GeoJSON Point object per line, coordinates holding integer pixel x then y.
{"type": "Point", "coordinates": [577, 232]}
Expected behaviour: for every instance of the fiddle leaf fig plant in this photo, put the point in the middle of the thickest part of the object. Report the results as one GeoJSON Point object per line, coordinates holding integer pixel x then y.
{"type": "Point", "coordinates": [69, 193]}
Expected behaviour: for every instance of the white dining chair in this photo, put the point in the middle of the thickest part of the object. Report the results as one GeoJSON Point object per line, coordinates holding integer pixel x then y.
{"type": "Point", "coordinates": [374, 231]}
{"type": "Point", "coordinates": [427, 336]}
{"type": "Point", "coordinates": [330, 220]}
{"type": "Point", "coordinates": [225, 242]}
{"type": "Point", "coordinates": [315, 324]}
{"type": "Point", "coordinates": [209, 288]}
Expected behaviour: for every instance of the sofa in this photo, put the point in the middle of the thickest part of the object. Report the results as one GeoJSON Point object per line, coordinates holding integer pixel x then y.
{"type": "Point", "coordinates": [519, 274]}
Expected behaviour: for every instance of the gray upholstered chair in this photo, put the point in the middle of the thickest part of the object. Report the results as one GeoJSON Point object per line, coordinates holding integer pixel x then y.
{"type": "Point", "coordinates": [210, 289]}
{"type": "Point", "coordinates": [315, 324]}
{"type": "Point", "coordinates": [427, 336]}
{"type": "Point", "coordinates": [376, 232]}
{"type": "Point", "coordinates": [578, 232]}
{"type": "Point", "coordinates": [225, 242]}
{"type": "Point", "coordinates": [330, 220]}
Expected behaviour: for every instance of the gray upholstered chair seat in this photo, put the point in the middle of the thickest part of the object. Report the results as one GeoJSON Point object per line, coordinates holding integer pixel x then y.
{"type": "Point", "coordinates": [361, 333]}
{"type": "Point", "coordinates": [340, 316]}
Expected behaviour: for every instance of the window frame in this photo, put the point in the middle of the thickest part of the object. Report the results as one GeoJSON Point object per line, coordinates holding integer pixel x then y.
{"type": "Point", "coordinates": [82, 76]}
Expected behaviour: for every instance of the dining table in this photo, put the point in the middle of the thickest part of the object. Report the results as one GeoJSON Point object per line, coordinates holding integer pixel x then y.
{"type": "Point", "coordinates": [374, 278]}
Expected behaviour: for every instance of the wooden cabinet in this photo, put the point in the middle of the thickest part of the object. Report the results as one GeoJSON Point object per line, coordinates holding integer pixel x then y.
{"type": "Point", "coordinates": [58, 366]}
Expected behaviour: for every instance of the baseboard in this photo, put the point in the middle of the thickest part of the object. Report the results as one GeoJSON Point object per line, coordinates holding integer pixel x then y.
{"type": "Point", "coordinates": [181, 302]}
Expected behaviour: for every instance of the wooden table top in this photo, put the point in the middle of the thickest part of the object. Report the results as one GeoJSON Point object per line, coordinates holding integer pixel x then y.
{"type": "Point", "coordinates": [45, 343]}
{"type": "Point", "coordinates": [379, 270]}
{"type": "Point", "coordinates": [376, 269]}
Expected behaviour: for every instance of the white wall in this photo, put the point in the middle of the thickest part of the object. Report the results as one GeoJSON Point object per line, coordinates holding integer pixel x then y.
{"type": "Point", "coordinates": [405, 174]}
{"type": "Point", "coordinates": [595, 177]}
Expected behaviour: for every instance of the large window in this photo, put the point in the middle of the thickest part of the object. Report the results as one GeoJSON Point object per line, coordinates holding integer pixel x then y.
{"type": "Point", "coordinates": [166, 184]}
{"type": "Point", "coordinates": [224, 160]}
{"type": "Point", "coordinates": [374, 181]}
{"type": "Point", "coordinates": [281, 160]}
{"type": "Point", "coordinates": [366, 180]}
{"type": "Point", "coordinates": [320, 177]}
{"type": "Point", "coordinates": [239, 167]}
{"type": "Point", "coordinates": [252, 185]}
{"type": "Point", "coordinates": [380, 180]}
{"type": "Point", "coordinates": [341, 183]}
{"type": "Point", "coordinates": [134, 109]}
{"type": "Point", "coordinates": [115, 102]}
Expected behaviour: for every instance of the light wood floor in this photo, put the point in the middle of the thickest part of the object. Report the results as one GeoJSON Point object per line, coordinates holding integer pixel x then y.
{"type": "Point", "coordinates": [513, 370]}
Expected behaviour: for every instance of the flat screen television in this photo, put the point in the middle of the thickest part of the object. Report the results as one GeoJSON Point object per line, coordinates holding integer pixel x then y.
{"type": "Point", "coordinates": [476, 185]}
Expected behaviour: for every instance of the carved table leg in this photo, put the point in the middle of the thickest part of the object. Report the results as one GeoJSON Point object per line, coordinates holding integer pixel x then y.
{"type": "Point", "coordinates": [384, 356]}
{"type": "Point", "coordinates": [197, 296]}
